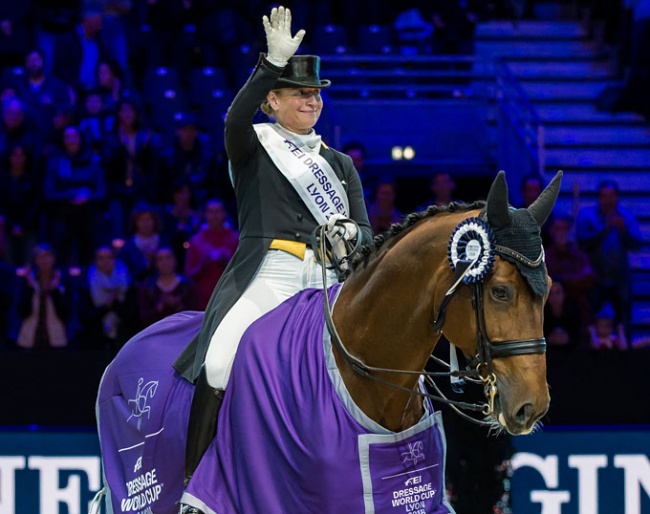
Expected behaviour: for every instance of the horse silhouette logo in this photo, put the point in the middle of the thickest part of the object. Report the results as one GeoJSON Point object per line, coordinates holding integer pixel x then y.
{"type": "Point", "coordinates": [142, 394]}
{"type": "Point", "coordinates": [414, 453]}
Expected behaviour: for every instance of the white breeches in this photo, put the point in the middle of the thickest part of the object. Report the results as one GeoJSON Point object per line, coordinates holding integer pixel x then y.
{"type": "Point", "coordinates": [280, 276]}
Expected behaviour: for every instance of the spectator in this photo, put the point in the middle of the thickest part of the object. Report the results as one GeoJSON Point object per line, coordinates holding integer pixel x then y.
{"type": "Point", "coordinates": [14, 32]}
{"type": "Point", "coordinates": [110, 85]}
{"type": "Point", "coordinates": [165, 293]}
{"type": "Point", "coordinates": [114, 34]}
{"type": "Point", "coordinates": [15, 131]}
{"type": "Point", "coordinates": [138, 251]}
{"type": "Point", "coordinates": [7, 91]}
{"type": "Point", "coordinates": [602, 21]}
{"type": "Point", "coordinates": [188, 158]}
{"type": "Point", "coordinates": [442, 188]}
{"type": "Point", "coordinates": [357, 152]}
{"type": "Point", "coordinates": [164, 22]}
{"type": "Point", "coordinates": [7, 274]}
{"type": "Point", "coordinates": [44, 305]}
{"type": "Point", "coordinates": [95, 123]}
{"type": "Point", "coordinates": [382, 212]}
{"type": "Point", "coordinates": [413, 31]}
{"type": "Point", "coordinates": [180, 220]}
{"type": "Point", "coordinates": [531, 187]}
{"type": "Point", "coordinates": [131, 163]}
{"type": "Point", "coordinates": [64, 117]}
{"type": "Point", "coordinates": [52, 19]}
{"type": "Point", "coordinates": [454, 23]}
{"type": "Point", "coordinates": [561, 318]}
{"type": "Point", "coordinates": [635, 92]}
{"type": "Point", "coordinates": [223, 29]}
{"type": "Point", "coordinates": [19, 204]}
{"type": "Point", "coordinates": [42, 92]}
{"type": "Point", "coordinates": [605, 333]}
{"type": "Point", "coordinates": [109, 305]}
{"type": "Point", "coordinates": [209, 252]}
{"type": "Point", "coordinates": [79, 52]}
{"type": "Point", "coordinates": [608, 232]}
{"type": "Point", "coordinates": [75, 189]}
{"type": "Point", "coordinates": [566, 262]}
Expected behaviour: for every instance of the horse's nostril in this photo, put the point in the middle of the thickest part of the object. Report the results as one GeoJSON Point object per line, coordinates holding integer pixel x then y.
{"type": "Point", "coordinates": [525, 413]}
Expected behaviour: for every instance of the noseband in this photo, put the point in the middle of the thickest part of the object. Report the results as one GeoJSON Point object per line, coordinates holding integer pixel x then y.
{"type": "Point", "coordinates": [479, 369]}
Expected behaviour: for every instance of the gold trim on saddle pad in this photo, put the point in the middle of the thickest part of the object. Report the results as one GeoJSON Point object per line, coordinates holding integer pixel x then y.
{"type": "Point", "coordinates": [293, 247]}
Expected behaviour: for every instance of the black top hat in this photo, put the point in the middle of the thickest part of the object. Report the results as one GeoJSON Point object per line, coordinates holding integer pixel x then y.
{"type": "Point", "coordinates": [302, 71]}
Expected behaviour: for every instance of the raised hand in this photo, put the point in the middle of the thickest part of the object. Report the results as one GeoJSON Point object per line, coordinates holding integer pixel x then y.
{"type": "Point", "coordinates": [280, 43]}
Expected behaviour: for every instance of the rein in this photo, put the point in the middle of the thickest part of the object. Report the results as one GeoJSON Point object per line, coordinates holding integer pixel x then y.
{"type": "Point", "coordinates": [487, 350]}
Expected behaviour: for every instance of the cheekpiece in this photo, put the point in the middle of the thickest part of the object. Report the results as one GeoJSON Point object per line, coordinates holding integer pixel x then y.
{"type": "Point", "coordinates": [472, 240]}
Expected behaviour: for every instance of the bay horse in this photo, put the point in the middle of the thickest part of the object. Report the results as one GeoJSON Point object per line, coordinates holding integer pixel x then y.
{"type": "Point", "coordinates": [326, 410]}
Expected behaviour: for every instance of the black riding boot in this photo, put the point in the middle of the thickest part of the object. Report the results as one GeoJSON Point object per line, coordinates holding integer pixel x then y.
{"type": "Point", "coordinates": [202, 425]}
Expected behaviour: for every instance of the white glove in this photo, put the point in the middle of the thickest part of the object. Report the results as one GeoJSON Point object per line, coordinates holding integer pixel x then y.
{"type": "Point", "coordinates": [340, 227]}
{"type": "Point", "coordinates": [278, 36]}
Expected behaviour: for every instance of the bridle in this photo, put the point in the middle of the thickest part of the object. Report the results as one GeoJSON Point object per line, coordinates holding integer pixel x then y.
{"type": "Point", "coordinates": [478, 370]}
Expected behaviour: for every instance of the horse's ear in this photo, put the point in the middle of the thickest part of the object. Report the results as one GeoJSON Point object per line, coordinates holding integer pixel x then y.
{"type": "Point", "coordinates": [543, 205]}
{"type": "Point", "coordinates": [497, 202]}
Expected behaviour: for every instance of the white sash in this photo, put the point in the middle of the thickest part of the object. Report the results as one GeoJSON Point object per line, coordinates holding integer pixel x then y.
{"type": "Point", "coordinates": [309, 173]}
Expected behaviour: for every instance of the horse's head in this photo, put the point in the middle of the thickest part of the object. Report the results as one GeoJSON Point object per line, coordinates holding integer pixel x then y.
{"type": "Point", "coordinates": [507, 293]}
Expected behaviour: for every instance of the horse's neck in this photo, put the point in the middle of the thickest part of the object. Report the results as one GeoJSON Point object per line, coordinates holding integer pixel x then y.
{"type": "Point", "coordinates": [384, 317]}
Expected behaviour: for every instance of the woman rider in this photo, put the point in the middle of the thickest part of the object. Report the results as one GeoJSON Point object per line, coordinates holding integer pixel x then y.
{"type": "Point", "coordinates": [287, 182]}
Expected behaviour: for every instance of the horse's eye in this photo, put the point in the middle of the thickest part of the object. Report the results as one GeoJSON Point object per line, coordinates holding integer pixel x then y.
{"type": "Point", "coordinates": [501, 293]}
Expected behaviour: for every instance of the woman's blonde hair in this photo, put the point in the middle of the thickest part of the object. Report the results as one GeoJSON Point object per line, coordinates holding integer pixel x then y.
{"type": "Point", "coordinates": [266, 105]}
{"type": "Point", "coordinates": [266, 108]}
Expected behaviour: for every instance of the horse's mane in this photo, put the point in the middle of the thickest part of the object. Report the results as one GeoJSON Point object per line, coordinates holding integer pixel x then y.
{"type": "Point", "coordinates": [363, 254]}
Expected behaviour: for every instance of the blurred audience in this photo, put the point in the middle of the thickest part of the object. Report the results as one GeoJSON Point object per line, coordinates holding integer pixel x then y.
{"type": "Point", "coordinates": [72, 133]}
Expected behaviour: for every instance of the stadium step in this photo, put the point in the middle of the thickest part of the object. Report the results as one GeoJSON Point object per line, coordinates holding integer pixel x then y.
{"type": "Point", "coordinates": [589, 136]}
{"type": "Point", "coordinates": [563, 75]}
